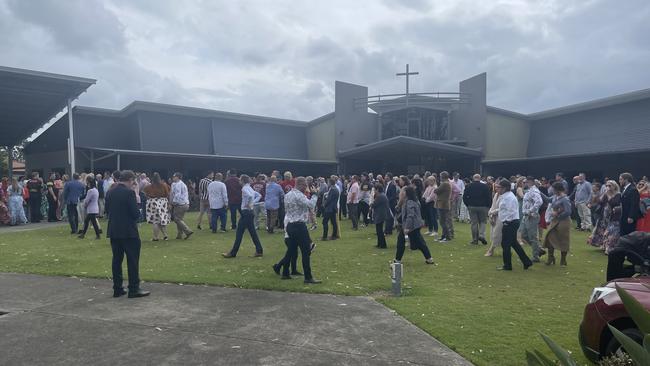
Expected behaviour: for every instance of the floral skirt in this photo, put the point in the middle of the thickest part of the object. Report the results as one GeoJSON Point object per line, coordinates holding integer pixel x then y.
{"type": "Point", "coordinates": [158, 211]}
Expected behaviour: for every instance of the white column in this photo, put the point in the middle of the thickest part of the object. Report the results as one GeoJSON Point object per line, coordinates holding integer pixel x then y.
{"type": "Point", "coordinates": [73, 168]}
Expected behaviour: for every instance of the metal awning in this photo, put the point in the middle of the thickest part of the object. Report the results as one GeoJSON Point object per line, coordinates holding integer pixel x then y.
{"type": "Point", "coordinates": [29, 99]}
{"type": "Point", "coordinates": [405, 146]}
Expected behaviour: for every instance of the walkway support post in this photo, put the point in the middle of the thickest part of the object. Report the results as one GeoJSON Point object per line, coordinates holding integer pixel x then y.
{"type": "Point", "coordinates": [73, 168]}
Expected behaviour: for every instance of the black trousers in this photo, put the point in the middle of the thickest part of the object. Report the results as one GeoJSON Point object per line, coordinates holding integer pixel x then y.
{"type": "Point", "coordinates": [298, 238]}
{"type": "Point", "coordinates": [381, 239]}
{"type": "Point", "coordinates": [35, 207]}
{"type": "Point", "coordinates": [51, 209]}
{"type": "Point", "coordinates": [293, 262]}
{"type": "Point", "coordinates": [353, 214]}
{"type": "Point", "coordinates": [615, 265]}
{"type": "Point", "coordinates": [416, 242]}
{"type": "Point", "coordinates": [246, 222]}
{"type": "Point", "coordinates": [391, 221]}
{"type": "Point", "coordinates": [91, 218]}
{"type": "Point", "coordinates": [330, 217]}
{"type": "Point", "coordinates": [73, 217]}
{"type": "Point", "coordinates": [364, 210]}
{"type": "Point", "coordinates": [130, 248]}
{"type": "Point", "coordinates": [509, 240]}
{"type": "Point", "coordinates": [234, 208]}
{"type": "Point", "coordinates": [343, 212]}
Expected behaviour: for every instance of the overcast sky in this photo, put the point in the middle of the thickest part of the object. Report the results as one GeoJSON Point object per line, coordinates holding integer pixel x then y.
{"type": "Point", "coordinates": [281, 58]}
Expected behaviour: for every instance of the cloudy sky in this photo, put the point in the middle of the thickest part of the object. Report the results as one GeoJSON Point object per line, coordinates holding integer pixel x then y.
{"type": "Point", "coordinates": [281, 58]}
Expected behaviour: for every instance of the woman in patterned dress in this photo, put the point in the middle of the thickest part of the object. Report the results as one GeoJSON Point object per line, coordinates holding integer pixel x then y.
{"type": "Point", "coordinates": [158, 206]}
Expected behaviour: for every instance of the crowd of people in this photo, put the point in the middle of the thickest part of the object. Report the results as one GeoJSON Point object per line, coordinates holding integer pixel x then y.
{"type": "Point", "coordinates": [522, 212]}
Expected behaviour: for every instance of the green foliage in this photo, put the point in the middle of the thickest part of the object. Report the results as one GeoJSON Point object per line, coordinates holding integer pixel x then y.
{"type": "Point", "coordinates": [621, 359]}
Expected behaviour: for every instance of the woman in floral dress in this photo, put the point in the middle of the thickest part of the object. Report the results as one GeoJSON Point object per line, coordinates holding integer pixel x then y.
{"type": "Point", "coordinates": [613, 214]}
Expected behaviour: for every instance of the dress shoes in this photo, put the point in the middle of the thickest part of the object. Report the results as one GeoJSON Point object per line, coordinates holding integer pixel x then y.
{"type": "Point", "coordinates": [138, 293]}
{"type": "Point", "coordinates": [483, 241]}
{"type": "Point", "coordinates": [285, 277]}
{"type": "Point", "coordinates": [312, 281]}
{"type": "Point", "coordinates": [119, 292]}
{"type": "Point", "coordinates": [503, 269]}
{"type": "Point", "coordinates": [258, 255]}
{"type": "Point", "coordinates": [227, 255]}
{"type": "Point", "coordinates": [276, 269]}
{"type": "Point", "coordinates": [296, 273]}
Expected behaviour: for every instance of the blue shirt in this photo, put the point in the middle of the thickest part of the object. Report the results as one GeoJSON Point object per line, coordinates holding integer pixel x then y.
{"type": "Point", "coordinates": [274, 193]}
{"type": "Point", "coordinates": [249, 197]}
{"type": "Point", "coordinates": [72, 192]}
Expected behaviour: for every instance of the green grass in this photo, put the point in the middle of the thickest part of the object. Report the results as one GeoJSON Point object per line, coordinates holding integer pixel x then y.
{"type": "Point", "coordinates": [489, 317]}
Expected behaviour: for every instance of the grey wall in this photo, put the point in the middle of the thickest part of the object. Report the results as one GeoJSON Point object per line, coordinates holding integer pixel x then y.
{"type": "Point", "coordinates": [468, 122]}
{"type": "Point", "coordinates": [615, 128]}
{"type": "Point", "coordinates": [354, 127]}
{"type": "Point", "coordinates": [175, 133]}
{"type": "Point", "coordinates": [259, 139]}
{"type": "Point", "coordinates": [107, 132]}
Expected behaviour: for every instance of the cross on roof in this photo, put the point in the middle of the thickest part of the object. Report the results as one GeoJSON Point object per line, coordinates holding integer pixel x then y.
{"type": "Point", "coordinates": [407, 74]}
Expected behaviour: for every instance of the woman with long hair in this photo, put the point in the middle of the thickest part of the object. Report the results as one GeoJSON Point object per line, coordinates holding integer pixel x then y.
{"type": "Point", "coordinates": [157, 206]}
{"type": "Point", "coordinates": [91, 208]}
{"type": "Point", "coordinates": [613, 210]}
{"type": "Point", "coordinates": [643, 223]}
{"type": "Point", "coordinates": [495, 223]}
{"type": "Point", "coordinates": [409, 224]}
{"type": "Point", "coordinates": [16, 201]}
{"type": "Point", "coordinates": [559, 231]}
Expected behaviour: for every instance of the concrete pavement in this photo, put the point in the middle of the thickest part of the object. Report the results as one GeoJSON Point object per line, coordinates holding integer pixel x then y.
{"type": "Point", "coordinates": [75, 321]}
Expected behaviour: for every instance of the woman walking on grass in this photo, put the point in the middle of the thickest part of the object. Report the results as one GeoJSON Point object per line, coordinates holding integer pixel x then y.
{"type": "Point", "coordinates": [409, 221]}
{"type": "Point", "coordinates": [91, 207]}
{"type": "Point", "coordinates": [157, 210]}
{"type": "Point", "coordinates": [558, 235]}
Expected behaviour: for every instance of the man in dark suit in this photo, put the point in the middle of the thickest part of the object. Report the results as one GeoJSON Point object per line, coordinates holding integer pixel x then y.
{"type": "Point", "coordinates": [393, 195]}
{"type": "Point", "coordinates": [123, 215]}
{"type": "Point", "coordinates": [629, 203]}
{"type": "Point", "coordinates": [380, 214]}
{"type": "Point", "coordinates": [329, 209]}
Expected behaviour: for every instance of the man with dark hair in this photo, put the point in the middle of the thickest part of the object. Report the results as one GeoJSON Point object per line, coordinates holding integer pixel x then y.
{"type": "Point", "coordinates": [509, 216]}
{"type": "Point", "coordinates": [233, 187]}
{"type": "Point", "coordinates": [248, 199]}
{"type": "Point", "coordinates": [630, 201]}
{"type": "Point", "coordinates": [330, 202]}
{"type": "Point", "coordinates": [123, 215]}
{"type": "Point", "coordinates": [72, 192]}
{"type": "Point", "coordinates": [35, 188]}
{"type": "Point", "coordinates": [393, 195]}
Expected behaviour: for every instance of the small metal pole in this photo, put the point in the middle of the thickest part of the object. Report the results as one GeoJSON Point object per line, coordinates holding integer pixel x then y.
{"type": "Point", "coordinates": [118, 163]}
{"type": "Point", "coordinates": [396, 278]}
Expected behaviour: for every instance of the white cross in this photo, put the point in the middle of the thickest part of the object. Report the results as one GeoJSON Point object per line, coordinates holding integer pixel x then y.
{"type": "Point", "coordinates": [407, 74]}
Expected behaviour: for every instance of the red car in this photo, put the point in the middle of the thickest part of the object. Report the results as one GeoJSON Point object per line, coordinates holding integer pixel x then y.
{"type": "Point", "coordinates": [605, 307]}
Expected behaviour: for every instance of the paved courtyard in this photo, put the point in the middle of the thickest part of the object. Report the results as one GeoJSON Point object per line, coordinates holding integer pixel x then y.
{"type": "Point", "coordinates": [75, 321]}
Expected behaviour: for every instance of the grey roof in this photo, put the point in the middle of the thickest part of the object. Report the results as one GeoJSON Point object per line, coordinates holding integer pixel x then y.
{"type": "Point", "coordinates": [200, 156]}
{"type": "Point", "coordinates": [578, 107]}
{"type": "Point", "coordinates": [565, 156]}
{"type": "Point", "coordinates": [323, 118]}
{"type": "Point", "coordinates": [29, 99]}
{"type": "Point", "coordinates": [185, 111]}
{"type": "Point", "coordinates": [400, 144]}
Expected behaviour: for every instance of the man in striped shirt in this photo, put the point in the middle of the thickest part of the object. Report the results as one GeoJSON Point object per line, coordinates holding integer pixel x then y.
{"type": "Point", "coordinates": [204, 205]}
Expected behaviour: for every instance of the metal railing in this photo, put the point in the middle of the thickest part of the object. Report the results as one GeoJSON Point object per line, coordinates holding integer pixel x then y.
{"type": "Point", "coordinates": [412, 99]}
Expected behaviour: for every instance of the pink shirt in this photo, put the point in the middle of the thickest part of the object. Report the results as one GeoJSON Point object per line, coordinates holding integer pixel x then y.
{"type": "Point", "coordinates": [353, 192]}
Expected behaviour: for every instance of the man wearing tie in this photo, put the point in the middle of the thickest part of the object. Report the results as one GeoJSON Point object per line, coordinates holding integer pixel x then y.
{"type": "Point", "coordinates": [123, 215]}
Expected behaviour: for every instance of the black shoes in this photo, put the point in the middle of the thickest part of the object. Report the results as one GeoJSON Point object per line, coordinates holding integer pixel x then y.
{"type": "Point", "coordinates": [187, 236]}
{"type": "Point", "coordinates": [483, 241]}
{"type": "Point", "coordinates": [503, 269]}
{"type": "Point", "coordinates": [119, 292]}
{"type": "Point", "coordinates": [287, 277]}
{"type": "Point", "coordinates": [312, 281]}
{"type": "Point", "coordinates": [526, 266]}
{"type": "Point", "coordinates": [138, 293]}
{"type": "Point", "coordinates": [296, 273]}
{"type": "Point", "coordinates": [276, 269]}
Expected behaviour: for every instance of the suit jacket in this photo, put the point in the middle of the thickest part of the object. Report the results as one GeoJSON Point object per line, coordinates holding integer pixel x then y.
{"type": "Point", "coordinates": [477, 194]}
{"type": "Point", "coordinates": [380, 210]}
{"type": "Point", "coordinates": [629, 209]}
{"type": "Point", "coordinates": [392, 194]}
{"type": "Point", "coordinates": [123, 213]}
{"type": "Point", "coordinates": [330, 204]}
{"type": "Point", "coordinates": [444, 195]}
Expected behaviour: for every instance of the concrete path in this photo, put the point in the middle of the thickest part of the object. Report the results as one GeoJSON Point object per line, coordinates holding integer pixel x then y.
{"type": "Point", "coordinates": [74, 321]}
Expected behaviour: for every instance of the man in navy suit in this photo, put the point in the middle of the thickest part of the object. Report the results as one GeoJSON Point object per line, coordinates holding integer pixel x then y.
{"type": "Point", "coordinates": [630, 211]}
{"type": "Point", "coordinates": [123, 215]}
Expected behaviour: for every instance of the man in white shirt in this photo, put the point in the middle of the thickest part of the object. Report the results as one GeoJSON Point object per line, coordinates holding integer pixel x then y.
{"type": "Point", "coordinates": [218, 200]}
{"type": "Point", "coordinates": [457, 200]}
{"type": "Point", "coordinates": [530, 222]}
{"type": "Point", "coordinates": [509, 216]}
{"type": "Point", "coordinates": [353, 202]}
{"type": "Point", "coordinates": [180, 201]}
{"type": "Point", "coordinates": [247, 221]}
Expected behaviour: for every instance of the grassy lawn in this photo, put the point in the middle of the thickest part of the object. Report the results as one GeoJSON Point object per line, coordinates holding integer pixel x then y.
{"type": "Point", "coordinates": [488, 316]}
